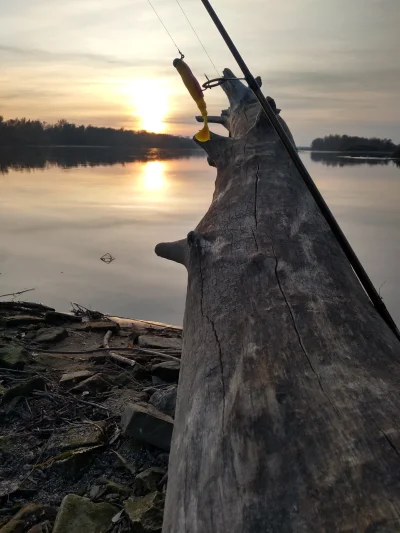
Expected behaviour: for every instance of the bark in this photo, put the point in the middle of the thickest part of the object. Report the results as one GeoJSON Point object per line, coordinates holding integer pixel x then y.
{"type": "Point", "coordinates": [287, 415]}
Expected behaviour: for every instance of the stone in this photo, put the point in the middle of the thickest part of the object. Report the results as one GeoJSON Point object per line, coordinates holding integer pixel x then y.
{"type": "Point", "coordinates": [72, 378]}
{"type": "Point", "coordinates": [43, 527]}
{"type": "Point", "coordinates": [140, 373]}
{"type": "Point", "coordinates": [80, 515]}
{"type": "Point", "coordinates": [24, 389]}
{"type": "Point", "coordinates": [165, 400]}
{"type": "Point", "coordinates": [56, 318]}
{"type": "Point", "coordinates": [146, 513]}
{"type": "Point", "coordinates": [146, 424]}
{"type": "Point", "coordinates": [95, 384]}
{"type": "Point", "coordinates": [158, 381]}
{"type": "Point", "coordinates": [20, 320]}
{"type": "Point", "coordinates": [96, 492]}
{"type": "Point", "coordinates": [167, 371]}
{"type": "Point", "coordinates": [100, 326]}
{"type": "Point", "coordinates": [50, 335]}
{"type": "Point", "coordinates": [162, 459]}
{"type": "Point", "coordinates": [13, 356]}
{"type": "Point", "coordinates": [77, 437]}
{"type": "Point", "coordinates": [153, 341]}
{"type": "Point", "coordinates": [34, 327]}
{"type": "Point", "coordinates": [110, 487]}
{"type": "Point", "coordinates": [148, 480]}
{"type": "Point", "coordinates": [28, 516]}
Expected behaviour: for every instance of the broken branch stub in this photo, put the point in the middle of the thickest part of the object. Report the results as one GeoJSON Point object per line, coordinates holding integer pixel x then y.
{"type": "Point", "coordinates": [287, 411]}
{"type": "Point", "coordinates": [174, 251]}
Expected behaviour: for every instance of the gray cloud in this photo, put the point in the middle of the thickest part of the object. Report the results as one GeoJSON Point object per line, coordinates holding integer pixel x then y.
{"type": "Point", "coordinates": [328, 81]}
{"type": "Point", "coordinates": [75, 57]}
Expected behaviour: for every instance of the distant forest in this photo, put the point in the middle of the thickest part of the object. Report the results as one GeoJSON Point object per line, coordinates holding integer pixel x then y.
{"type": "Point", "coordinates": [23, 132]}
{"type": "Point", "coordinates": [353, 144]}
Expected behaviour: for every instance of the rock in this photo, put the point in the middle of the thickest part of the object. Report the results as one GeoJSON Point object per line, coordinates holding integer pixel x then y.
{"type": "Point", "coordinates": [28, 516]}
{"type": "Point", "coordinates": [153, 341]}
{"type": "Point", "coordinates": [55, 318]}
{"type": "Point", "coordinates": [24, 389]}
{"type": "Point", "coordinates": [165, 400]}
{"type": "Point", "coordinates": [13, 356]}
{"type": "Point", "coordinates": [43, 527]}
{"type": "Point", "coordinates": [146, 424]}
{"type": "Point", "coordinates": [140, 373]}
{"type": "Point", "coordinates": [105, 486]}
{"type": "Point", "coordinates": [158, 381]}
{"type": "Point", "coordinates": [96, 492]}
{"type": "Point", "coordinates": [72, 378]}
{"type": "Point", "coordinates": [94, 385]}
{"type": "Point", "coordinates": [77, 437]}
{"type": "Point", "coordinates": [30, 335]}
{"type": "Point", "coordinates": [80, 515]}
{"type": "Point", "coordinates": [100, 327]}
{"type": "Point", "coordinates": [146, 513]}
{"type": "Point", "coordinates": [50, 335]}
{"type": "Point", "coordinates": [162, 459]}
{"type": "Point", "coordinates": [148, 480]}
{"type": "Point", "coordinates": [168, 371]}
{"type": "Point", "coordinates": [34, 327]}
{"type": "Point", "coordinates": [20, 320]}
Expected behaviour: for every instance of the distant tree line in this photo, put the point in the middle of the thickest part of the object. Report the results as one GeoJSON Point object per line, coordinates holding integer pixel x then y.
{"type": "Point", "coordinates": [353, 144]}
{"type": "Point", "coordinates": [44, 157]}
{"type": "Point", "coordinates": [23, 132]}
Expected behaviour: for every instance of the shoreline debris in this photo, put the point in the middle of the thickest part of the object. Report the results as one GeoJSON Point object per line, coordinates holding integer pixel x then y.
{"type": "Point", "coordinates": [61, 434]}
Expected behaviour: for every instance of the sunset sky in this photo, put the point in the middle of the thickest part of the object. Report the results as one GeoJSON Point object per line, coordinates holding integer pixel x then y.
{"type": "Point", "coordinates": [332, 66]}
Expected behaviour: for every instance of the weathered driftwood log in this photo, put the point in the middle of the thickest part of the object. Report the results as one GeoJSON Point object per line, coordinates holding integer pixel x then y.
{"type": "Point", "coordinates": [288, 406]}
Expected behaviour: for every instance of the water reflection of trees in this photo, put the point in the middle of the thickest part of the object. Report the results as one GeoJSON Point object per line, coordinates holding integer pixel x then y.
{"type": "Point", "coordinates": [341, 160]}
{"type": "Point", "coordinates": [70, 157]}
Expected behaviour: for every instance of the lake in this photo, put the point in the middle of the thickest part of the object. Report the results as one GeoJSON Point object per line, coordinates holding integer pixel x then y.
{"type": "Point", "coordinates": [62, 209]}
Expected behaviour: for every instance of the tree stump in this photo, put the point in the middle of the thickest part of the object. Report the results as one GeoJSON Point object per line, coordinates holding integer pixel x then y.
{"type": "Point", "coordinates": [288, 410]}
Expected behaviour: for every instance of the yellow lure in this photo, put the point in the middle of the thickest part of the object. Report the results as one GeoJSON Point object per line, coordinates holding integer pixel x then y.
{"type": "Point", "coordinates": [193, 86]}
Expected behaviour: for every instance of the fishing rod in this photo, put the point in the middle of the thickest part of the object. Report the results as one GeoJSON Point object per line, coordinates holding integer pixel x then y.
{"type": "Point", "coordinates": [326, 212]}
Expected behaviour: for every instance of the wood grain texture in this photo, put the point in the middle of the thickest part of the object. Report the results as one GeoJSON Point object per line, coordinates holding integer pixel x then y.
{"type": "Point", "coordinates": [287, 415]}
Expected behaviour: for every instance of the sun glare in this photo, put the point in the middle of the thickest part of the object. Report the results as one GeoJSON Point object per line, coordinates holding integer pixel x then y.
{"type": "Point", "coordinates": [153, 176]}
{"type": "Point", "coordinates": [150, 101]}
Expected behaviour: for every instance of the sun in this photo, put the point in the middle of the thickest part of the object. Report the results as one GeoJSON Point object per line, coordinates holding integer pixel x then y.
{"type": "Point", "coordinates": [150, 102]}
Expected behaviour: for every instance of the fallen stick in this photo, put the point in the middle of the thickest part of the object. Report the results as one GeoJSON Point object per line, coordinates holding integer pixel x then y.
{"type": "Point", "coordinates": [115, 356]}
{"type": "Point", "coordinates": [16, 293]}
{"type": "Point", "coordinates": [125, 463]}
{"type": "Point", "coordinates": [70, 396]}
{"type": "Point", "coordinates": [148, 353]}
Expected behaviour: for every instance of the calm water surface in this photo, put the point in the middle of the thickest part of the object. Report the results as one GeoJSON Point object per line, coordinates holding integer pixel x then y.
{"type": "Point", "coordinates": [57, 221]}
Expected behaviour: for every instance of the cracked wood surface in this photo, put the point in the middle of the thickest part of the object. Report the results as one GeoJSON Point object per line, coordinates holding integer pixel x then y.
{"type": "Point", "coordinates": [287, 415]}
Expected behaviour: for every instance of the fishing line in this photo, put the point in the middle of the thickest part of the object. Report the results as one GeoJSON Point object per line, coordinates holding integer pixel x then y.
{"type": "Point", "coordinates": [165, 28]}
{"type": "Point", "coordinates": [198, 38]}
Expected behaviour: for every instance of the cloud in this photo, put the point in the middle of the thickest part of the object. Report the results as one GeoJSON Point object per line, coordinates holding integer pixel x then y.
{"type": "Point", "coordinates": [329, 81]}
{"type": "Point", "coordinates": [75, 57]}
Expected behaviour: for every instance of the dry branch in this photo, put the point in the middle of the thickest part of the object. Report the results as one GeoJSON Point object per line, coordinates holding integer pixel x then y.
{"type": "Point", "coordinates": [13, 294]}
{"type": "Point", "coordinates": [113, 355]}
